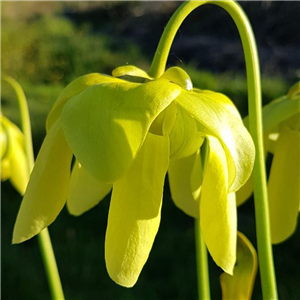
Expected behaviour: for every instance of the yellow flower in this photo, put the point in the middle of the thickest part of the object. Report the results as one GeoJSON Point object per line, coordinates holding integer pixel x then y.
{"type": "Point", "coordinates": [282, 139]}
{"type": "Point", "coordinates": [284, 143]}
{"type": "Point", "coordinates": [13, 157]}
{"type": "Point", "coordinates": [126, 131]}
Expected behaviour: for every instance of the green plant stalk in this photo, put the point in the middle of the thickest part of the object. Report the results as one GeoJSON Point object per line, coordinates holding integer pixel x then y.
{"type": "Point", "coordinates": [43, 237]}
{"type": "Point", "coordinates": [202, 264]}
{"type": "Point", "coordinates": [267, 271]}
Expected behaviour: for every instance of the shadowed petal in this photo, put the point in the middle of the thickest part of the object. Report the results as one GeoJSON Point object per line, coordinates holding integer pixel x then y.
{"type": "Point", "coordinates": [85, 191]}
{"type": "Point", "coordinates": [14, 166]}
{"type": "Point", "coordinates": [47, 189]}
{"type": "Point", "coordinates": [184, 137]}
{"type": "Point", "coordinates": [106, 124]}
{"type": "Point", "coordinates": [283, 185]}
{"type": "Point", "coordinates": [74, 88]}
{"type": "Point", "coordinates": [5, 169]}
{"type": "Point", "coordinates": [181, 173]}
{"type": "Point", "coordinates": [218, 218]}
{"type": "Point", "coordinates": [240, 285]}
{"type": "Point", "coordinates": [220, 118]}
{"type": "Point", "coordinates": [134, 213]}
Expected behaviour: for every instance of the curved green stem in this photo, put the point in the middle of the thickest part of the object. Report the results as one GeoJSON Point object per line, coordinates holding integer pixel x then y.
{"type": "Point", "coordinates": [202, 265]}
{"type": "Point", "coordinates": [44, 237]}
{"type": "Point", "coordinates": [267, 271]}
{"type": "Point", "coordinates": [25, 118]}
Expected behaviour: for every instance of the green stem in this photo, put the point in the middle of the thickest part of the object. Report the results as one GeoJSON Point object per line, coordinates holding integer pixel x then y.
{"type": "Point", "coordinates": [44, 237]}
{"type": "Point", "coordinates": [202, 265]}
{"type": "Point", "coordinates": [267, 271]}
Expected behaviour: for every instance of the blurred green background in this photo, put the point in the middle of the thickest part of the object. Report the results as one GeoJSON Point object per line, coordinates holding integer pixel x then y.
{"type": "Point", "coordinates": [45, 45]}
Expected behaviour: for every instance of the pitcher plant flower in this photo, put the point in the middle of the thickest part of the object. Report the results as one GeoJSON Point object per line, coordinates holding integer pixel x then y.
{"type": "Point", "coordinates": [284, 143]}
{"type": "Point", "coordinates": [126, 132]}
{"type": "Point", "coordinates": [281, 122]}
{"type": "Point", "coordinates": [13, 158]}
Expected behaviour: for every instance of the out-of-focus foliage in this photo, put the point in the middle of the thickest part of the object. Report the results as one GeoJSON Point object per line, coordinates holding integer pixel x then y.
{"type": "Point", "coordinates": [53, 49]}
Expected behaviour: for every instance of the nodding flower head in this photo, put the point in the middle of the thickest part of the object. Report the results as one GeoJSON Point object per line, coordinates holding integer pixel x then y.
{"type": "Point", "coordinates": [13, 158]}
{"type": "Point", "coordinates": [126, 132]}
{"type": "Point", "coordinates": [282, 123]}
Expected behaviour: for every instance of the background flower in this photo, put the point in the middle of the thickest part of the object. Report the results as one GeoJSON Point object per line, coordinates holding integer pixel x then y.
{"type": "Point", "coordinates": [13, 158]}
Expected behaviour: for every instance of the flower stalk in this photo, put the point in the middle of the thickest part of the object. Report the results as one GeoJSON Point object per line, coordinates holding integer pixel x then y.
{"type": "Point", "coordinates": [202, 264]}
{"type": "Point", "coordinates": [265, 254]}
{"type": "Point", "coordinates": [44, 237]}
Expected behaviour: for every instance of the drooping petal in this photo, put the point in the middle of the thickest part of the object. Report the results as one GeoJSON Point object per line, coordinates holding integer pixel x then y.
{"type": "Point", "coordinates": [85, 191]}
{"type": "Point", "coordinates": [244, 192]}
{"type": "Point", "coordinates": [48, 187]}
{"type": "Point", "coordinates": [283, 185]}
{"type": "Point", "coordinates": [106, 124]}
{"type": "Point", "coordinates": [185, 179]}
{"type": "Point", "coordinates": [279, 110]}
{"type": "Point", "coordinates": [219, 117]}
{"type": "Point", "coordinates": [218, 218]}
{"type": "Point", "coordinates": [184, 137]}
{"type": "Point", "coordinates": [74, 88]}
{"type": "Point", "coordinates": [134, 213]}
{"type": "Point", "coordinates": [240, 285]}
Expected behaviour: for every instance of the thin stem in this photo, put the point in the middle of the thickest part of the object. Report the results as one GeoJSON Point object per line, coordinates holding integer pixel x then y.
{"type": "Point", "coordinates": [267, 271]}
{"type": "Point", "coordinates": [25, 118]}
{"type": "Point", "coordinates": [50, 265]}
{"type": "Point", "coordinates": [202, 265]}
{"type": "Point", "coordinates": [43, 237]}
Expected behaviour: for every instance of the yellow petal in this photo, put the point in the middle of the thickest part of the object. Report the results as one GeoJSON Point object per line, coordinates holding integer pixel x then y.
{"type": "Point", "coordinates": [48, 187]}
{"type": "Point", "coordinates": [218, 218]}
{"type": "Point", "coordinates": [3, 138]}
{"type": "Point", "coordinates": [5, 169]}
{"type": "Point", "coordinates": [183, 193]}
{"type": "Point", "coordinates": [134, 213]}
{"type": "Point", "coordinates": [219, 117]}
{"type": "Point", "coordinates": [240, 285]}
{"type": "Point", "coordinates": [74, 88]}
{"type": "Point", "coordinates": [85, 191]}
{"type": "Point", "coordinates": [15, 162]}
{"type": "Point", "coordinates": [184, 137]}
{"type": "Point", "coordinates": [283, 185]}
{"type": "Point", "coordinates": [130, 70]}
{"type": "Point", "coordinates": [106, 124]}
{"type": "Point", "coordinates": [18, 163]}
{"type": "Point", "coordinates": [244, 192]}
{"type": "Point", "coordinates": [278, 111]}
{"type": "Point", "coordinates": [178, 76]}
